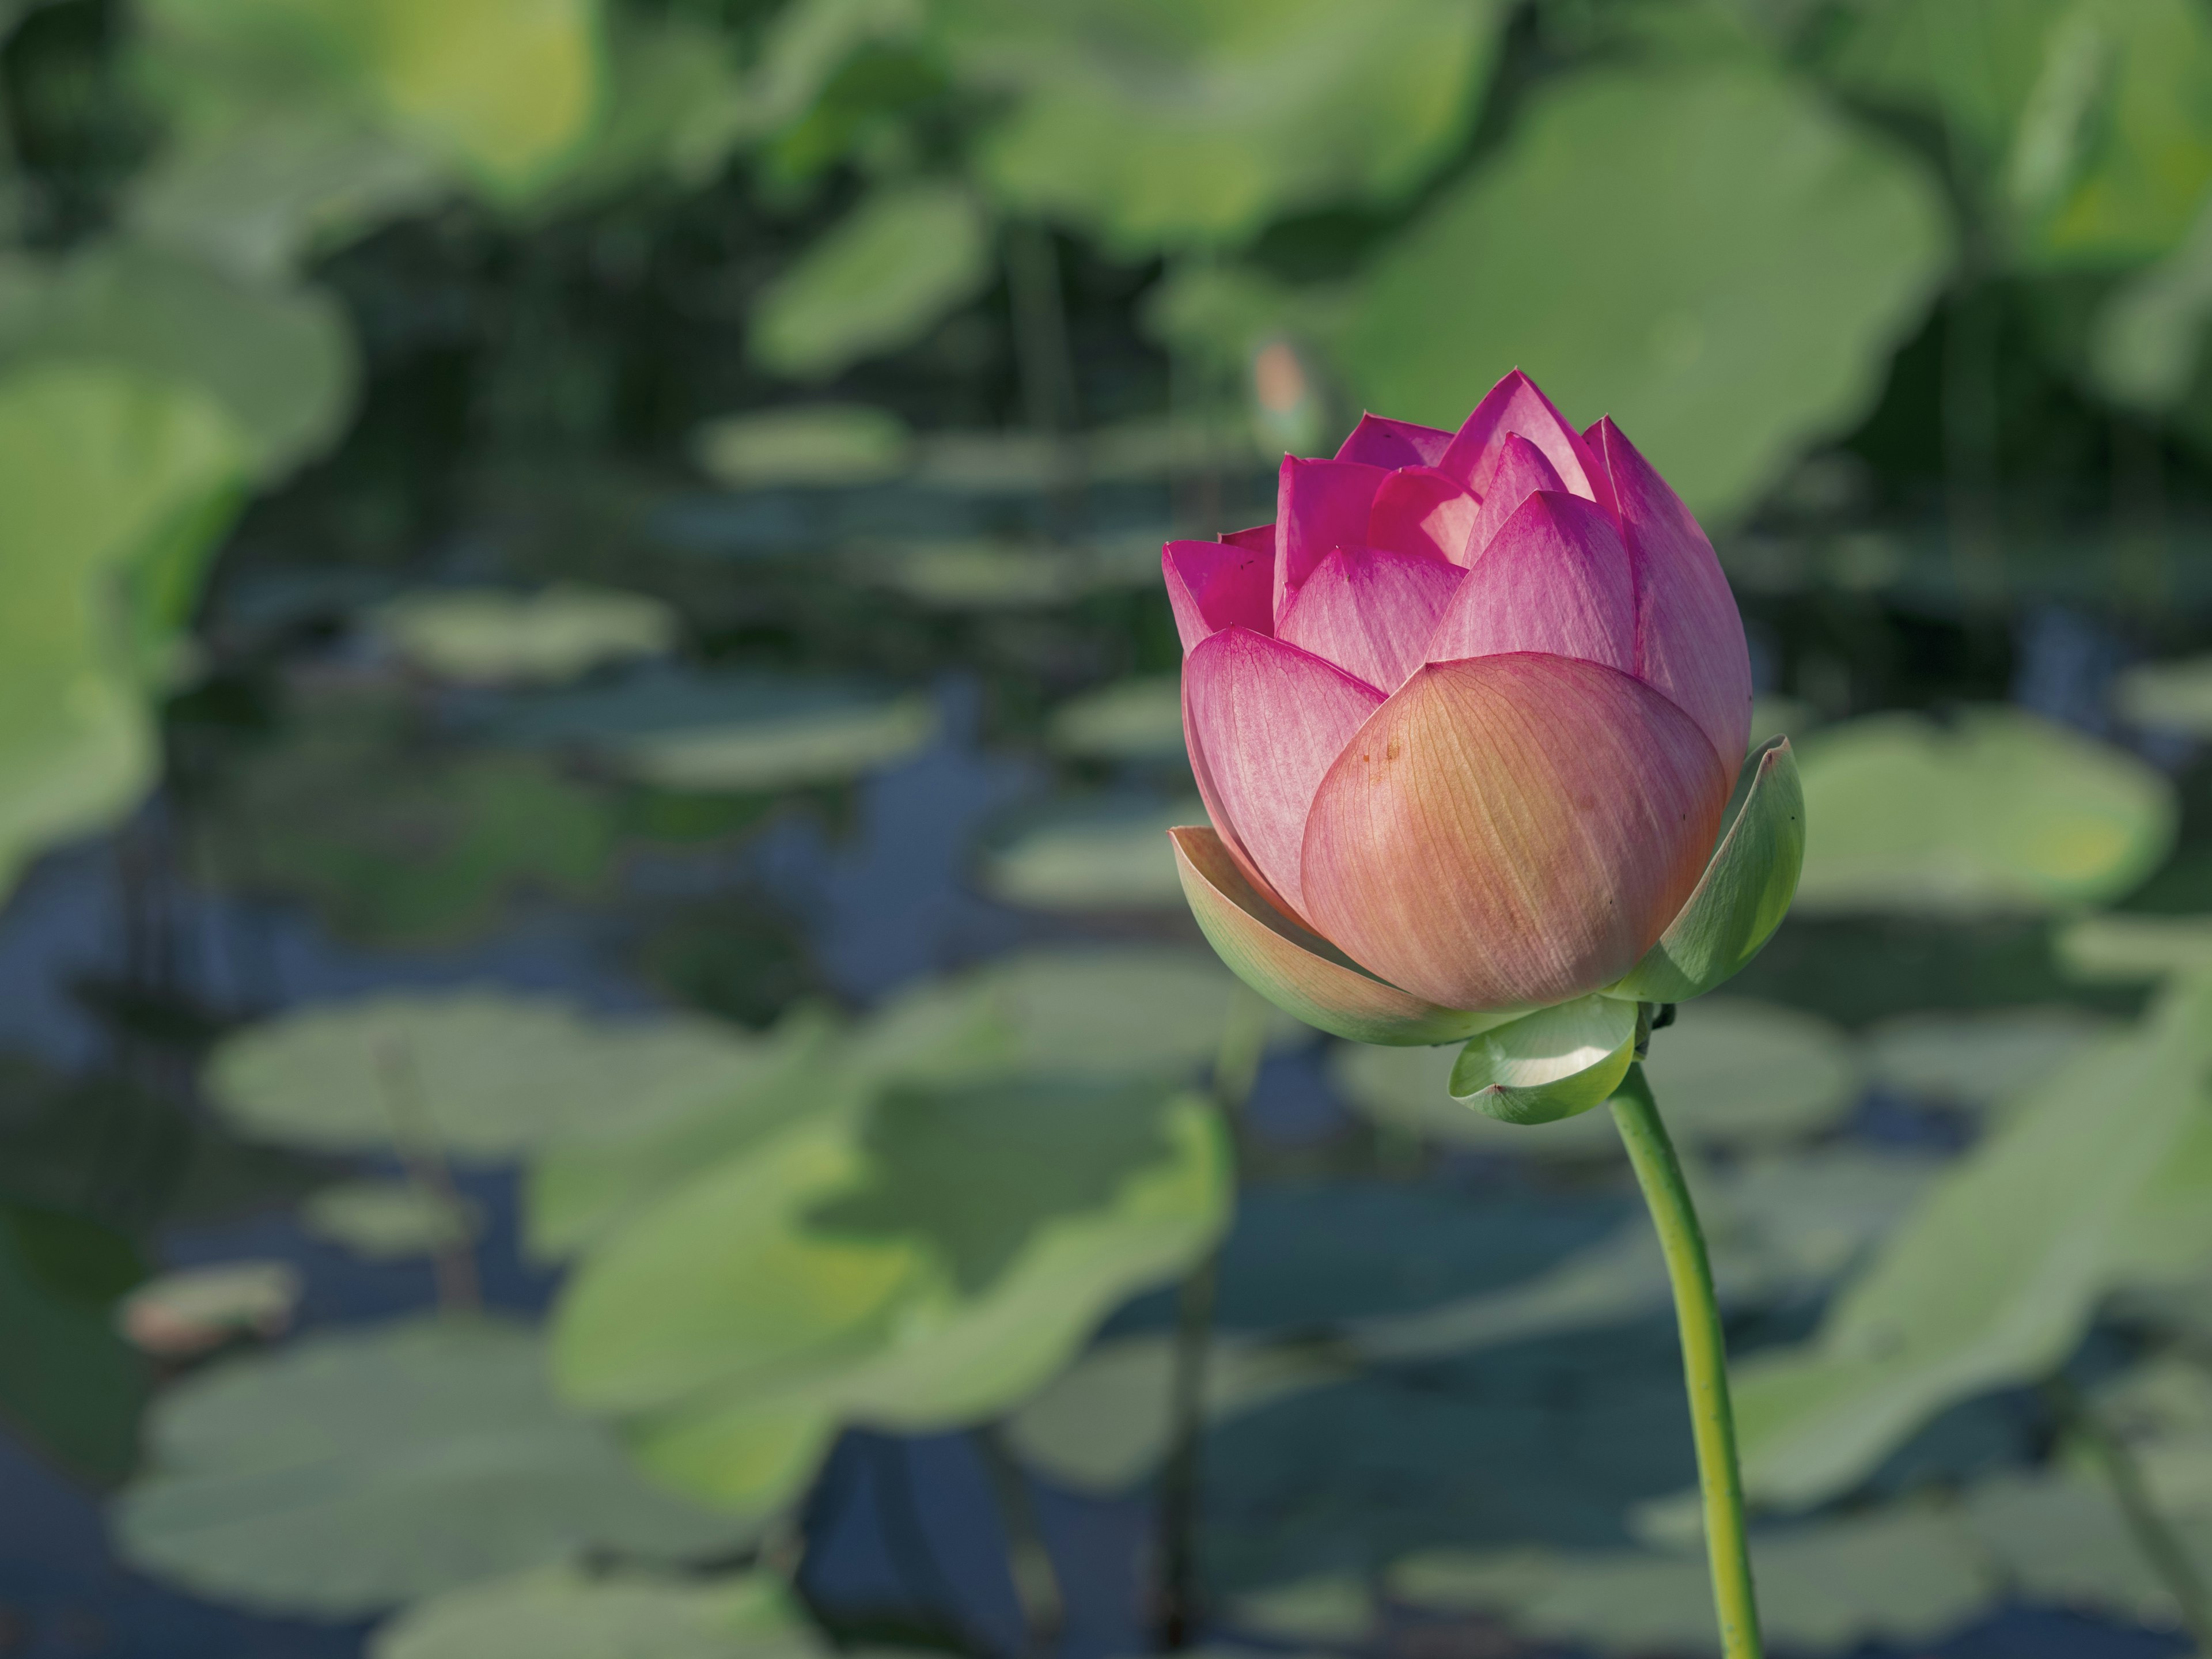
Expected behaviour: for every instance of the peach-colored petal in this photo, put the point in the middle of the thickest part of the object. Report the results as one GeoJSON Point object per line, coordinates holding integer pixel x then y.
{"type": "Point", "coordinates": [1269, 719]}
{"type": "Point", "coordinates": [1511, 829]}
{"type": "Point", "coordinates": [1320, 505]}
{"type": "Point", "coordinates": [1379, 442]}
{"type": "Point", "coordinates": [1370, 611]}
{"type": "Point", "coordinates": [1299, 972]}
{"type": "Point", "coordinates": [1515, 405]}
{"type": "Point", "coordinates": [1555, 579]}
{"type": "Point", "coordinates": [1420, 510]}
{"type": "Point", "coordinates": [1689, 636]}
{"type": "Point", "coordinates": [1522, 471]}
{"type": "Point", "coordinates": [1217, 585]}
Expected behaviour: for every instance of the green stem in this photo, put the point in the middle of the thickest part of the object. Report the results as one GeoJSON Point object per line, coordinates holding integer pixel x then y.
{"type": "Point", "coordinates": [1705, 1360]}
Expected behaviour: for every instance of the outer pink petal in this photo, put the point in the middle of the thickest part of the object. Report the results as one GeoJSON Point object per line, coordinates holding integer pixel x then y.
{"type": "Point", "coordinates": [1421, 510]}
{"type": "Point", "coordinates": [1201, 771]}
{"type": "Point", "coordinates": [1522, 469]}
{"type": "Point", "coordinates": [1515, 404]}
{"type": "Point", "coordinates": [1511, 830]}
{"type": "Point", "coordinates": [1218, 585]}
{"type": "Point", "coordinates": [1268, 719]}
{"type": "Point", "coordinates": [1320, 505]}
{"type": "Point", "coordinates": [1689, 637]}
{"type": "Point", "coordinates": [1298, 971]}
{"type": "Point", "coordinates": [1379, 442]}
{"type": "Point", "coordinates": [1261, 538]}
{"type": "Point", "coordinates": [1555, 579]}
{"type": "Point", "coordinates": [1370, 611]}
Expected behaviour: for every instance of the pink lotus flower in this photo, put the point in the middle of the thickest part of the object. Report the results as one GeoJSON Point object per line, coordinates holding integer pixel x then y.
{"type": "Point", "coordinates": [1466, 718]}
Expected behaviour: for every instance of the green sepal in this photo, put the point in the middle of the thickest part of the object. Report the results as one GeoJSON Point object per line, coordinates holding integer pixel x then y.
{"type": "Point", "coordinates": [1551, 1064]}
{"type": "Point", "coordinates": [1741, 899]}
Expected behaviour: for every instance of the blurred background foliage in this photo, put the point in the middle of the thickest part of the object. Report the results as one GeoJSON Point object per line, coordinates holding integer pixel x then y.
{"type": "Point", "coordinates": [603, 1056]}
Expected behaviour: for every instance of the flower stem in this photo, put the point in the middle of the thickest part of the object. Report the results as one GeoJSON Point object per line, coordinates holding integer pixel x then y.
{"type": "Point", "coordinates": [1705, 1360]}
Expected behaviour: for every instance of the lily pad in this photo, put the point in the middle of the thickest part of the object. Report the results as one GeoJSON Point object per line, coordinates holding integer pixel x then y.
{"type": "Point", "coordinates": [567, 1613]}
{"type": "Point", "coordinates": [486, 636]}
{"type": "Point", "coordinates": [358, 1468]}
{"type": "Point", "coordinates": [1107, 855]}
{"type": "Point", "coordinates": [728, 732]}
{"type": "Point", "coordinates": [879, 280]}
{"type": "Point", "coordinates": [1977, 1060]}
{"type": "Point", "coordinates": [2172, 696]}
{"type": "Point", "coordinates": [1160, 128]}
{"type": "Point", "coordinates": [183, 1313]}
{"type": "Point", "coordinates": [1739, 263]}
{"type": "Point", "coordinates": [390, 1219]}
{"type": "Point", "coordinates": [2008, 814]}
{"type": "Point", "coordinates": [927, 1270]}
{"type": "Point", "coordinates": [822, 443]}
{"type": "Point", "coordinates": [479, 1072]}
{"type": "Point", "coordinates": [1139, 719]}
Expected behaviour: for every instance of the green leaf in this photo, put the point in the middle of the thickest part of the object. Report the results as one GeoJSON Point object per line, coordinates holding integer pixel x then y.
{"type": "Point", "coordinates": [484, 635]}
{"type": "Point", "coordinates": [2134, 949]}
{"type": "Point", "coordinates": [928, 1271]}
{"type": "Point", "coordinates": [1110, 854]}
{"type": "Point", "coordinates": [277, 359]}
{"type": "Point", "coordinates": [822, 444]}
{"type": "Point", "coordinates": [877, 282]}
{"type": "Point", "coordinates": [357, 1468]}
{"type": "Point", "coordinates": [2145, 341]}
{"type": "Point", "coordinates": [1131, 719]}
{"type": "Point", "coordinates": [113, 484]}
{"type": "Point", "coordinates": [2007, 813]}
{"type": "Point", "coordinates": [1552, 1064]}
{"type": "Point", "coordinates": [1977, 1060]}
{"type": "Point", "coordinates": [1157, 126]}
{"type": "Point", "coordinates": [479, 1072]}
{"type": "Point", "coordinates": [568, 1612]}
{"type": "Point", "coordinates": [2174, 697]}
{"type": "Point", "coordinates": [1993, 1280]}
{"type": "Point", "coordinates": [390, 1219]}
{"type": "Point", "coordinates": [1741, 899]}
{"type": "Point", "coordinates": [1737, 266]}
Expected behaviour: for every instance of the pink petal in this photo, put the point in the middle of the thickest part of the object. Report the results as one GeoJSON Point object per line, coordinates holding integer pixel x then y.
{"type": "Point", "coordinates": [1514, 830]}
{"type": "Point", "coordinates": [1268, 719]}
{"type": "Point", "coordinates": [1370, 611]}
{"type": "Point", "coordinates": [1201, 771]}
{"type": "Point", "coordinates": [1515, 405]}
{"type": "Point", "coordinates": [1522, 471]}
{"type": "Point", "coordinates": [1421, 510]}
{"type": "Point", "coordinates": [1261, 538]}
{"type": "Point", "coordinates": [1218, 585]}
{"type": "Point", "coordinates": [1320, 505]}
{"type": "Point", "coordinates": [1689, 637]}
{"type": "Point", "coordinates": [1379, 442]}
{"type": "Point", "coordinates": [1556, 579]}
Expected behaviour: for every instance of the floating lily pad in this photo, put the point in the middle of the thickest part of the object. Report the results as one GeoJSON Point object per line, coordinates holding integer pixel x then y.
{"type": "Point", "coordinates": [877, 280]}
{"type": "Point", "coordinates": [2008, 814]}
{"type": "Point", "coordinates": [1741, 258]}
{"type": "Point", "coordinates": [808, 444]}
{"type": "Point", "coordinates": [1106, 855]}
{"type": "Point", "coordinates": [181, 1315]}
{"type": "Point", "coordinates": [354, 1469]}
{"type": "Point", "coordinates": [1977, 1060]}
{"type": "Point", "coordinates": [485, 636]}
{"type": "Point", "coordinates": [2174, 697]}
{"type": "Point", "coordinates": [1132, 720]}
{"type": "Point", "coordinates": [567, 1612]}
{"type": "Point", "coordinates": [927, 1267]}
{"type": "Point", "coordinates": [481, 1073]}
{"type": "Point", "coordinates": [968, 574]}
{"type": "Point", "coordinates": [390, 1219]}
{"type": "Point", "coordinates": [728, 732]}
{"type": "Point", "coordinates": [2135, 949]}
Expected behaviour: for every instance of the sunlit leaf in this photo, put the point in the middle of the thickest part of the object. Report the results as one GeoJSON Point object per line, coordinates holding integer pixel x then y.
{"type": "Point", "coordinates": [1097, 855]}
{"type": "Point", "coordinates": [1992, 1281]}
{"type": "Point", "coordinates": [115, 486]}
{"type": "Point", "coordinates": [877, 280]}
{"type": "Point", "coordinates": [567, 1612]}
{"type": "Point", "coordinates": [1157, 126]}
{"type": "Point", "coordinates": [2172, 696]}
{"type": "Point", "coordinates": [1131, 719]}
{"type": "Point", "coordinates": [390, 1219]}
{"type": "Point", "coordinates": [2009, 813]}
{"type": "Point", "coordinates": [479, 1073]}
{"type": "Point", "coordinates": [486, 636]}
{"type": "Point", "coordinates": [1711, 256]}
{"type": "Point", "coordinates": [357, 1468]}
